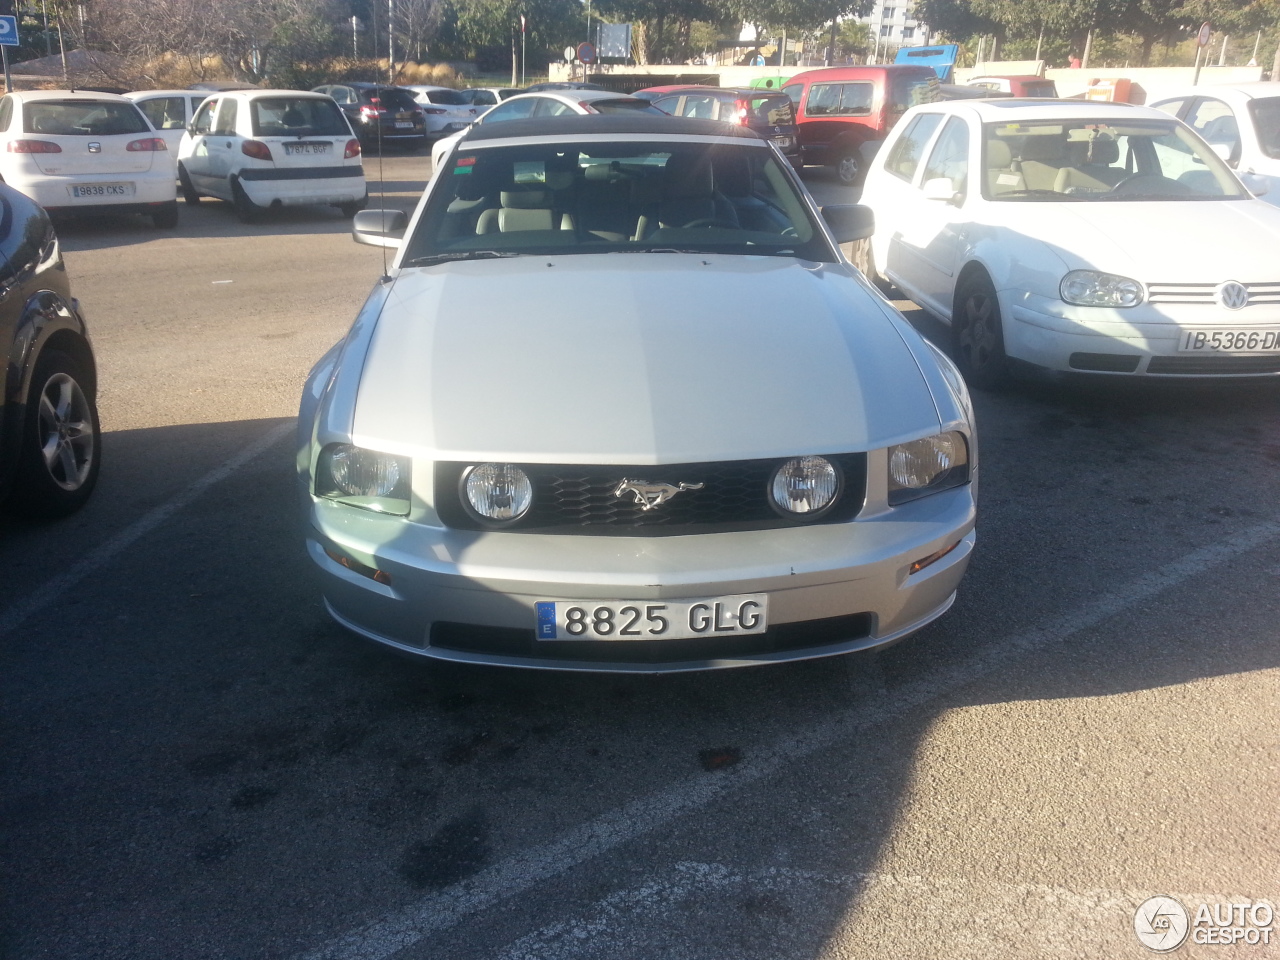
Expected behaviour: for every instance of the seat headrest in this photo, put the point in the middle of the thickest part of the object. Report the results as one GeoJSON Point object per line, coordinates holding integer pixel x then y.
{"type": "Point", "coordinates": [1046, 149]}
{"type": "Point", "coordinates": [525, 199]}
{"type": "Point", "coordinates": [688, 177]}
{"type": "Point", "coordinates": [998, 154]}
{"type": "Point", "coordinates": [733, 174]}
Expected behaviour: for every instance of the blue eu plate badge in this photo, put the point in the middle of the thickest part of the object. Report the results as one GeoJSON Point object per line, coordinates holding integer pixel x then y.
{"type": "Point", "coordinates": [546, 620]}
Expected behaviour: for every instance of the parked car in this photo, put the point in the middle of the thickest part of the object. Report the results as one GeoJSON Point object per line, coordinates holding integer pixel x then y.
{"type": "Point", "coordinates": [551, 103]}
{"type": "Point", "coordinates": [1241, 122]}
{"type": "Point", "coordinates": [379, 114]}
{"type": "Point", "coordinates": [444, 110]}
{"type": "Point", "coordinates": [844, 113]}
{"type": "Point", "coordinates": [489, 96]}
{"type": "Point", "coordinates": [1077, 236]}
{"type": "Point", "coordinates": [169, 111]}
{"type": "Point", "coordinates": [1018, 86]}
{"type": "Point", "coordinates": [50, 440]}
{"type": "Point", "coordinates": [564, 85]}
{"type": "Point", "coordinates": [76, 152]}
{"type": "Point", "coordinates": [223, 86]}
{"type": "Point", "coordinates": [769, 114]}
{"type": "Point", "coordinates": [652, 420]}
{"type": "Point", "coordinates": [262, 149]}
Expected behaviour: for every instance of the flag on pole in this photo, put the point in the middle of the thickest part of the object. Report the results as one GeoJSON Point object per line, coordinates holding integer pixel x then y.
{"type": "Point", "coordinates": [522, 23]}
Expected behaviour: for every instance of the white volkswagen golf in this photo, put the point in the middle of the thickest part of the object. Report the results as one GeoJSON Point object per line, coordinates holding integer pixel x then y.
{"type": "Point", "coordinates": [86, 152]}
{"type": "Point", "coordinates": [1096, 237]}
{"type": "Point", "coordinates": [623, 405]}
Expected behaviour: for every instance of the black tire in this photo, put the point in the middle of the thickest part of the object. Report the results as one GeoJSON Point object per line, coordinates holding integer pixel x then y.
{"type": "Point", "coordinates": [349, 210]}
{"type": "Point", "coordinates": [61, 442]}
{"type": "Point", "coordinates": [166, 218]}
{"type": "Point", "coordinates": [189, 193]}
{"type": "Point", "coordinates": [246, 209]}
{"type": "Point", "coordinates": [977, 334]}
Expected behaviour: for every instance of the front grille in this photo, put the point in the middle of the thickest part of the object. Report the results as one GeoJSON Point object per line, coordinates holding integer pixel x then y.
{"type": "Point", "coordinates": [580, 499]}
{"type": "Point", "coordinates": [517, 642]}
{"type": "Point", "coordinates": [1204, 292]}
{"type": "Point", "coordinates": [1109, 362]}
{"type": "Point", "coordinates": [1214, 365]}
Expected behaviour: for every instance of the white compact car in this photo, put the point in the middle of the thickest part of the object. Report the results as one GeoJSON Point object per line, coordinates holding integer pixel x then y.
{"type": "Point", "coordinates": [444, 110]}
{"type": "Point", "coordinates": [1241, 122]}
{"type": "Point", "coordinates": [1098, 237]}
{"type": "Point", "coordinates": [169, 111]}
{"type": "Point", "coordinates": [623, 405]}
{"type": "Point", "coordinates": [550, 103]}
{"type": "Point", "coordinates": [86, 152]}
{"type": "Point", "coordinates": [263, 149]}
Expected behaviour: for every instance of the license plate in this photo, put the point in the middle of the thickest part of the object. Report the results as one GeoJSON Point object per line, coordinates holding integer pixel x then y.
{"type": "Point", "coordinates": [306, 149]}
{"type": "Point", "coordinates": [642, 620]}
{"type": "Point", "coordinates": [783, 142]}
{"type": "Point", "coordinates": [404, 124]}
{"type": "Point", "coordinates": [102, 190]}
{"type": "Point", "coordinates": [1230, 341]}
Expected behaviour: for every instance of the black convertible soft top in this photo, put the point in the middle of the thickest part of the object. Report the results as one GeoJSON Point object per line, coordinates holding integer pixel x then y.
{"type": "Point", "coordinates": [607, 124]}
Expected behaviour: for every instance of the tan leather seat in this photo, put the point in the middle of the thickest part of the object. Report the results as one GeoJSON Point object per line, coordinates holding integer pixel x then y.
{"type": "Point", "coordinates": [519, 210]}
{"type": "Point", "coordinates": [1090, 167]}
{"type": "Point", "coordinates": [1040, 159]}
{"type": "Point", "coordinates": [1001, 177]}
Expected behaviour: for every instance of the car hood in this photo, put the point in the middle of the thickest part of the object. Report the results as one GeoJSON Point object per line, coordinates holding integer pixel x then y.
{"type": "Point", "coordinates": [1161, 242]}
{"type": "Point", "coordinates": [636, 359]}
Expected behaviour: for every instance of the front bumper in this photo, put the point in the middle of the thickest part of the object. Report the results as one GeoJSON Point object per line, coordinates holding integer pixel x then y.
{"type": "Point", "coordinates": [1137, 341]}
{"type": "Point", "coordinates": [469, 597]}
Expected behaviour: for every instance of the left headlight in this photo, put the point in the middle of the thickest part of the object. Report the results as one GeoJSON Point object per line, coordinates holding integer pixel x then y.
{"type": "Point", "coordinates": [1088, 288]}
{"type": "Point", "coordinates": [927, 465]}
{"type": "Point", "coordinates": [364, 478]}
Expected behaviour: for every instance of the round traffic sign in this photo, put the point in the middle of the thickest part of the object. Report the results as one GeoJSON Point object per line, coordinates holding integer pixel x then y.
{"type": "Point", "coordinates": [586, 53]}
{"type": "Point", "coordinates": [5, 26]}
{"type": "Point", "coordinates": [1202, 38]}
{"type": "Point", "coordinates": [568, 54]}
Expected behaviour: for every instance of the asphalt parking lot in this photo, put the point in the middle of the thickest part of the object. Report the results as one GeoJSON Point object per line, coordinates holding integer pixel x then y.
{"type": "Point", "coordinates": [200, 764]}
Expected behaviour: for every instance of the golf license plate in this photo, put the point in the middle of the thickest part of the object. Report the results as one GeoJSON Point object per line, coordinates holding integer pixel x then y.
{"type": "Point", "coordinates": [1230, 341]}
{"type": "Point", "coordinates": [306, 149]}
{"type": "Point", "coordinates": [645, 620]}
{"type": "Point", "coordinates": [102, 190]}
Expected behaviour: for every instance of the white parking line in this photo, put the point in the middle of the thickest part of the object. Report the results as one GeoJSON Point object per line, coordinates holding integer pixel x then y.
{"type": "Point", "coordinates": [99, 557]}
{"type": "Point", "coordinates": [523, 870]}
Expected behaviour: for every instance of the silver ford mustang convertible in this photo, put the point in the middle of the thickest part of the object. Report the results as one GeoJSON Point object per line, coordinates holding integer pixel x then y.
{"type": "Point", "coordinates": [622, 405]}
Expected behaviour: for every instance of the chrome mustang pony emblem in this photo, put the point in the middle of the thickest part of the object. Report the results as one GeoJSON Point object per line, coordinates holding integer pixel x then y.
{"type": "Point", "coordinates": [650, 495]}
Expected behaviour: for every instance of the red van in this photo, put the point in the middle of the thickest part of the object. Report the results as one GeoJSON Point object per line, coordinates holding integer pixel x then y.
{"type": "Point", "coordinates": [843, 113]}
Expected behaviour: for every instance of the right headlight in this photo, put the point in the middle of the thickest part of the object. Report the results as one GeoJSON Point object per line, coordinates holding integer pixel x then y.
{"type": "Point", "coordinates": [1089, 288]}
{"type": "Point", "coordinates": [363, 478]}
{"type": "Point", "coordinates": [925, 466]}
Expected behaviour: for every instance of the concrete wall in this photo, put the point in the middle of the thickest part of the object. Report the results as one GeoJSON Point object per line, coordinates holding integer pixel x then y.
{"type": "Point", "coordinates": [1149, 83]}
{"type": "Point", "coordinates": [729, 76]}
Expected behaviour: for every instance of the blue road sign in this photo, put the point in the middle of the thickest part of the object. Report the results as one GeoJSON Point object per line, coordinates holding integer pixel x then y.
{"type": "Point", "coordinates": [8, 31]}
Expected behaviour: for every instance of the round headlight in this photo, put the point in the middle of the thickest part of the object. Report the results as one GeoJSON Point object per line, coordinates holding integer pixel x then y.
{"type": "Point", "coordinates": [498, 491]}
{"type": "Point", "coordinates": [804, 486]}
{"type": "Point", "coordinates": [915, 465]}
{"type": "Point", "coordinates": [364, 473]}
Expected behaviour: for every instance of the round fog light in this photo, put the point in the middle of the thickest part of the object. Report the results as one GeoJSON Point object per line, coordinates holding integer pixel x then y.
{"type": "Point", "coordinates": [804, 486]}
{"type": "Point", "coordinates": [498, 491]}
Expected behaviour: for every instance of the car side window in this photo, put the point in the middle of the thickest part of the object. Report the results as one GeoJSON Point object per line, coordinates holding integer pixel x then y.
{"type": "Point", "coordinates": [669, 105]}
{"type": "Point", "coordinates": [552, 108]}
{"type": "Point", "coordinates": [6, 113]}
{"type": "Point", "coordinates": [512, 110]}
{"type": "Point", "coordinates": [950, 157]}
{"type": "Point", "coordinates": [165, 113]}
{"type": "Point", "coordinates": [795, 91]}
{"type": "Point", "coordinates": [227, 118]}
{"type": "Point", "coordinates": [203, 122]}
{"type": "Point", "coordinates": [824, 100]}
{"type": "Point", "coordinates": [905, 154]}
{"type": "Point", "coordinates": [1214, 121]}
{"type": "Point", "coordinates": [1173, 107]}
{"type": "Point", "coordinates": [855, 99]}
{"type": "Point", "coordinates": [195, 104]}
{"type": "Point", "coordinates": [701, 108]}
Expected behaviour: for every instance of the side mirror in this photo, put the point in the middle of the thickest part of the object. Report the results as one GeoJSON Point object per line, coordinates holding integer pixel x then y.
{"type": "Point", "coordinates": [850, 221]}
{"type": "Point", "coordinates": [940, 188]}
{"type": "Point", "coordinates": [379, 228]}
{"type": "Point", "coordinates": [1255, 184]}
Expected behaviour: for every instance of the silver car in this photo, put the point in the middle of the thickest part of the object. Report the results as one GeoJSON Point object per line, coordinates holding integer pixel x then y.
{"type": "Point", "coordinates": [622, 404]}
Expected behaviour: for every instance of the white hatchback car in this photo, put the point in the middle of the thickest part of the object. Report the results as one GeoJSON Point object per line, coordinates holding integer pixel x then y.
{"type": "Point", "coordinates": [86, 152]}
{"type": "Point", "coordinates": [623, 405]}
{"type": "Point", "coordinates": [444, 110]}
{"type": "Point", "coordinates": [1098, 237]}
{"type": "Point", "coordinates": [1241, 122]}
{"type": "Point", "coordinates": [262, 149]}
{"type": "Point", "coordinates": [170, 111]}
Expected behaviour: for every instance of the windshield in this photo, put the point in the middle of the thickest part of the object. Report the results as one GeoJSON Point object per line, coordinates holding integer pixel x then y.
{"type": "Point", "coordinates": [451, 98]}
{"type": "Point", "coordinates": [775, 110]}
{"type": "Point", "coordinates": [1266, 118]}
{"type": "Point", "coordinates": [623, 105]}
{"type": "Point", "coordinates": [596, 197]}
{"type": "Point", "coordinates": [82, 118]}
{"type": "Point", "coordinates": [1102, 160]}
{"type": "Point", "coordinates": [297, 117]}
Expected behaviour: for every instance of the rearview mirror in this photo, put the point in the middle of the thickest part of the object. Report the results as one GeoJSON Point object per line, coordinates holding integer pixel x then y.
{"type": "Point", "coordinates": [850, 221]}
{"type": "Point", "coordinates": [379, 228]}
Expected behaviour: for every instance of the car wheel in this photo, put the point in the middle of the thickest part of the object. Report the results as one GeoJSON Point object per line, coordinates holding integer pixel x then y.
{"type": "Point", "coordinates": [189, 193]}
{"type": "Point", "coordinates": [848, 166]}
{"type": "Point", "coordinates": [61, 441]}
{"type": "Point", "coordinates": [166, 218]}
{"type": "Point", "coordinates": [863, 257]}
{"type": "Point", "coordinates": [349, 210]}
{"type": "Point", "coordinates": [978, 335]}
{"type": "Point", "coordinates": [246, 209]}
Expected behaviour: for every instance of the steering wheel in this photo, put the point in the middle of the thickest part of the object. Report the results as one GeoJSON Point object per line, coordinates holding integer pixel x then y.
{"type": "Point", "coordinates": [711, 222]}
{"type": "Point", "coordinates": [1150, 183]}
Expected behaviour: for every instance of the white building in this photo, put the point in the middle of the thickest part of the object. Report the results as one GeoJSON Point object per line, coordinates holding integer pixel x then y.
{"type": "Point", "coordinates": [893, 24]}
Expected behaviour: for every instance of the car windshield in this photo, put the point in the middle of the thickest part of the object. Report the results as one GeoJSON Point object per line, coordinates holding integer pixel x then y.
{"type": "Point", "coordinates": [451, 98]}
{"type": "Point", "coordinates": [602, 197]}
{"type": "Point", "coordinates": [624, 105]}
{"type": "Point", "coordinates": [1266, 119]}
{"type": "Point", "coordinates": [82, 118]}
{"type": "Point", "coordinates": [774, 110]}
{"type": "Point", "coordinates": [1091, 161]}
{"type": "Point", "coordinates": [297, 117]}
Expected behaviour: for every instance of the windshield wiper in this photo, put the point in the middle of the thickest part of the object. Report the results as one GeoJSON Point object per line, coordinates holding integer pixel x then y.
{"type": "Point", "coordinates": [461, 255]}
{"type": "Point", "coordinates": [1030, 193]}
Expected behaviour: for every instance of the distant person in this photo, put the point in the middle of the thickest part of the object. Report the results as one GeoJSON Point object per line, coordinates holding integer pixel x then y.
{"type": "Point", "coordinates": [1075, 63]}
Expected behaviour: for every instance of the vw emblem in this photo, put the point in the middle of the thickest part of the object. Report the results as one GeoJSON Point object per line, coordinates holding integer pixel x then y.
{"type": "Point", "coordinates": [1232, 295]}
{"type": "Point", "coordinates": [95, 146]}
{"type": "Point", "coordinates": [650, 495]}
